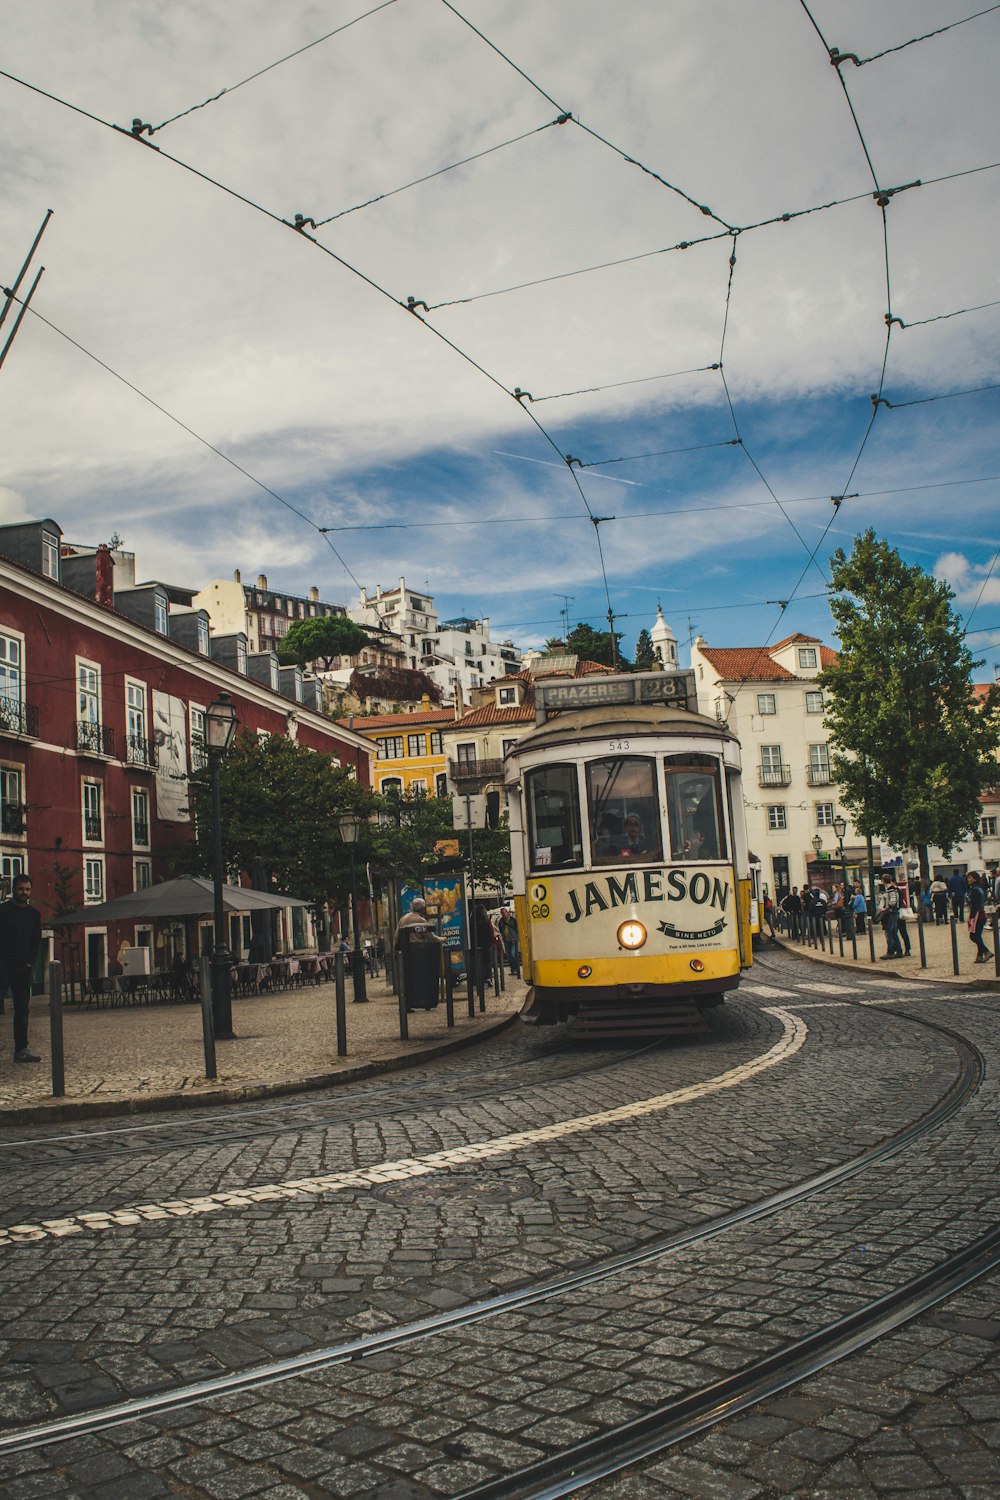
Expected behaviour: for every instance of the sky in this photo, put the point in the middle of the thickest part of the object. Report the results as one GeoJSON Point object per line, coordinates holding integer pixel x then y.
{"type": "Point", "coordinates": [213, 386]}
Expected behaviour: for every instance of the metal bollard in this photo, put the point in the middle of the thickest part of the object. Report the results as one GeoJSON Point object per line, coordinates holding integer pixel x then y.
{"type": "Point", "coordinates": [340, 999]}
{"type": "Point", "coordinates": [923, 945]}
{"type": "Point", "coordinates": [840, 939]}
{"type": "Point", "coordinates": [56, 1029]}
{"type": "Point", "coordinates": [871, 935]}
{"type": "Point", "coordinates": [996, 943]}
{"type": "Point", "coordinates": [207, 1014]}
{"type": "Point", "coordinates": [854, 941]}
{"type": "Point", "coordinates": [404, 1022]}
{"type": "Point", "coordinates": [471, 982]}
{"type": "Point", "coordinates": [954, 944]}
{"type": "Point", "coordinates": [449, 993]}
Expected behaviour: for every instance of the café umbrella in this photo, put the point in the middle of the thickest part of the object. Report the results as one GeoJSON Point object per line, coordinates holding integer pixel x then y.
{"type": "Point", "coordinates": [186, 896]}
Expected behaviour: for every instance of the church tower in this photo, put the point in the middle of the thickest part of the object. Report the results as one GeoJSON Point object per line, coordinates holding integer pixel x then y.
{"type": "Point", "coordinates": [664, 643]}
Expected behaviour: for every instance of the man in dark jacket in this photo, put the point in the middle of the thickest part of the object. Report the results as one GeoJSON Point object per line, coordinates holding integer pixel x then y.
{"type": "Point", "coordinates": [956, 890]}
{"type": "Point", "coordinates": [20, 940]}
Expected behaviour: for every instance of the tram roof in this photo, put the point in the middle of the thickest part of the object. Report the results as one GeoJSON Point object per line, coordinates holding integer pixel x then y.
{"type": "Point", "coordinates": [615, 719]}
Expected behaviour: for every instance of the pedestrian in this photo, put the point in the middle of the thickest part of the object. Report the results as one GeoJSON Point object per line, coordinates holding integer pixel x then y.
{"type": "Point", "coordinates": [904, 913]}
{"type": "Point", "coordinates": [417, 923]}
{"type": "Point", "coordinates": [888, 907]}
{"type": "Point", "coordinates": [508, 936]}
{"type": "Point", "coordinates": [792, 907]}
{"type": "Point", "coordinates": [977, 916]}
{"type": "Point", "coordinates": [939, 896]}
{"type": "Point", "coordinates": [20, 940]}
{"type": "Point", "coordinates": [769, 914]}
{"type": "Point", "coordinates": [859, 907]}
{"type": "Point", "coordinates": [956, 890]}
{"type": "Point", "coordinates": [926, 911]}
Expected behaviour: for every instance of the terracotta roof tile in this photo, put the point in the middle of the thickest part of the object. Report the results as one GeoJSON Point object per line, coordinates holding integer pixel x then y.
{"type": "Point", "coordinates": [750, 663]}
{"type": "Point", "coordinates": [364, 724]}
{"type": "Point", "coordinates": [489, 713]}
{"type": "Point", "coordinates": [810, 640]}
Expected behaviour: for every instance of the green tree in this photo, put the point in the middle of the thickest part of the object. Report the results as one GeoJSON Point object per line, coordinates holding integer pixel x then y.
{"type": "Point", "coordinates": [280, 803]}
{"type": "Point", "coordinates": [911, 744]}
{"type": "Point", "coordinates": [644, 657]}
{"type": "Point", "coordinates": [323, 639]}
{"type": "Point", "coordinates": [403, 842]}
{"type": "Point", "coordinates": [595, 645]}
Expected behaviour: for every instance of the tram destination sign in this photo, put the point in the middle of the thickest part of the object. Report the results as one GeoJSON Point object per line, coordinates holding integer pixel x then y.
{"type": "Point", "coordinates": [672, 689]}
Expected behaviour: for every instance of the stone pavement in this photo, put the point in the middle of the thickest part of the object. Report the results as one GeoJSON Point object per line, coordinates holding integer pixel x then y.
{"type": "Point", "coordinates": [937, 943]}
{"type": "Point", "coordinates": [147, 1057]}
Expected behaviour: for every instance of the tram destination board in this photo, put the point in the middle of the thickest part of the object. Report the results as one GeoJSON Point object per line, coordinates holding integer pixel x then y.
{"type": "Point", "coordinates": [674, 689]}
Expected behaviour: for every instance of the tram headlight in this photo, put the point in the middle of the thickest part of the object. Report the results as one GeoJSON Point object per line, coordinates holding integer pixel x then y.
{"type": "Point", "coordinates": [697, 965]}
{"type": "Point", "coordinates": [584, 971]}
{"type": "Point", "coordinates": [631, 934]}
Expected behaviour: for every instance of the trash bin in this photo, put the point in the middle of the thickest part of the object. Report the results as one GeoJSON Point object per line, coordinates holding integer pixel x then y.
{"type": "Point", "coordinates": [421, 969]}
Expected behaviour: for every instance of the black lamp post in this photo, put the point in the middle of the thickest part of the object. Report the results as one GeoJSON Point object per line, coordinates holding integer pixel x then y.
{"type": "Point", "coordinates": [350, 824]}
{"type": "Point", "coordinates": [220, 726]}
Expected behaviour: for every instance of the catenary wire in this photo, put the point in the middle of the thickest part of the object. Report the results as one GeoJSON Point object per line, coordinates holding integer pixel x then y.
{"type": "Point", "coordinates": [941, 317]}
{"type": "Point", "coordinates": [429, 176]}
{"type": "Point", "coordinates": [231, 88]}
{"type": "Point", "coordinates": [631, 160]}
{"type": "Point", "coordinates": [860, 62]}
{"type": "Point", "coordinates": [982, 590]}
{"type": "Point", "coordinates": [945, 396]}
{"type": "Point", "coordinates": [614, 385]}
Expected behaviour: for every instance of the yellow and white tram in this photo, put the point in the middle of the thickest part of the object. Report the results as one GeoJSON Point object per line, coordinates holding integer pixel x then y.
{"type": "Point", "coordinates": [629, 853]}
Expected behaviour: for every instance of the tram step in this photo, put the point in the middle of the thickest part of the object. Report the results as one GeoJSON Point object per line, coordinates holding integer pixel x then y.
{"type": "Point", "coordinates": [639, 1020]}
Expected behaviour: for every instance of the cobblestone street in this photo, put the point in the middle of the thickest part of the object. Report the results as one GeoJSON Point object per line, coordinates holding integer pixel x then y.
{"type": "Point", "coordinates": [159, 1259]}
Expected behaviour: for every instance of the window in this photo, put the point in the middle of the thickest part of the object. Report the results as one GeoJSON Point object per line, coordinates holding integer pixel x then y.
{"type": "Point", "coordinates": [623, 809]}
{"type": "Point", "coordinates": [989, 827]}
{"type": "Point", "coordinates": [11, 801]}
{"type": "Point", "coordinates": [392, 786]}
{"type": "Point", "coordinates": [441, 785]}
{"type": "Point", "coordinates": [776, 820]}
{"type": "Point", "coordinates": [437, 745]}
{"type": "Point", "coordinates": [772, 771]}
{"type": "Point", "coordinates": [135, 718]}
{"type": "Point", "coordinates": [819, 765]}
{"type": "Point", "coordinates": [466, 754]}
{"type": "Point", "coordinates": [11, 865]}
{"type": "Point", "coordinates": [814, 703]}
{"type": "Point", "coordinates": [553, 817]}
{"type": "Point", "coordinates": [88, 693]}
{"type": "Point", "coordinates": [50, 555]}
{"type": "Point", "coordinates": [508, 745]}
{"type": "Point", "coordinates": [418, 788]}
{"type": "Point", "coordinates": [694, 807]}
{"type": "Point", "coordinates": [10, 668]}
{"type": "Point", "coordinates": [766, 703]}
{"type": "Point", "coordinates": [203, 646]}
{"type": "Point", "coordinates": [241, 657]}
{"type": "Point", "coordinates": [824, 814]}
{"type": "Point", "coordinates": [140, 818]}
{"type": "Point", "coordinates": [159, 614]}
{"type": "Point", "coordinates": [93, 823]}
{"type": "Point", "coordinates": [142, 875]}
{"type": "Point", "coordinates": [93, 878]}
{"type": "Point", "coordinates": [390, 748]}
{"type": "Point", "coordinates": [416, 744]}
{"type": "Point", "coordinates": [196, 733]}
{"type": "Point", "coordinates": [507, 695]}
{"type": "Point", "coordinates": [807, 657]}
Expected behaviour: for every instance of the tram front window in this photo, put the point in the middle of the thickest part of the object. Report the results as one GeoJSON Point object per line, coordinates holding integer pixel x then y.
{"type": "Point", "coordinates": [554, 817]}
{"type": "Point", "coordinates": [622, 803]}
{"type": "Point", "coordinates": [693, 810]}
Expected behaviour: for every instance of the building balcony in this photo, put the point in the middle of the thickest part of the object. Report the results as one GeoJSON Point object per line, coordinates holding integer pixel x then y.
{"type": "Point", "coordinates": [819, 776]}
{"type": "Point", "coordinates": [474, 770]}
{"type": "Point", "coordinates": [140, 752]}
{"type": "Point", "coordinates": [774, 775]}
{"type": "Point", "coordinates": [94, 739]}
{"type": "Point", "coordinates": [92, 830]}
{"type": "Point", "coordinates": [18, 718]}
{"type": "Point", "coordinates": [12, 818]}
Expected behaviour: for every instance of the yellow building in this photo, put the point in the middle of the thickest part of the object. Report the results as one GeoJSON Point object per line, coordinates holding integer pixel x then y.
{"type": "Point", "coordinates": [409, 754]}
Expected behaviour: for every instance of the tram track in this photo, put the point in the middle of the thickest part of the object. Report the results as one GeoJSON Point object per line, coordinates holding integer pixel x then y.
{"type": "Point", "coordinates": [179, 1397]}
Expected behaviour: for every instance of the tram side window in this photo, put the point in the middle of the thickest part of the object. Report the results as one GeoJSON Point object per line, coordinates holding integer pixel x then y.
{"type": "Point", "coordinates": [624, 814]}
{"type": "Point", "coordinates": [554, 817]}
{"type": "Point", "coordinates": [696, 830]}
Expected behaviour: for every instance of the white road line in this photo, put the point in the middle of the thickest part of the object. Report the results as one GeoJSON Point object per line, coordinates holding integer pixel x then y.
{"type": "Point", "coordinates": [794, 1032]}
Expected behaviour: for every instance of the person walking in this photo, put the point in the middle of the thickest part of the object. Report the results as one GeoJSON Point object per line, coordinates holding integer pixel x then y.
{"type": "Point", "coordinates": [792, 907]}
{"type": "Point", "coordinates": [889, 915]}
{"type": "Point", "coordinates": [20, 940]}
{"type": "Point", "coordinates": [939, 896]}
{"type": "Point", "coordinates": [956, 890]}
{"type": "Point", "coordinates": [859, 907]}
{"type": "Point", "coordinates": [769, 914]}
{"type": "Point", "coordinates": [977, 916]}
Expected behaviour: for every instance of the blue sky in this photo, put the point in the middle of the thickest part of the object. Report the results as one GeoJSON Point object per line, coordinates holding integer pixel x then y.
{"type": "Point", "coordinates": [326, 391]}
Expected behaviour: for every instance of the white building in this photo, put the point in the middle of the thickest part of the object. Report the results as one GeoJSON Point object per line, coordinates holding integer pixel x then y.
{"type": "Point", "coordinates": [455, 654]}
{"type": "Point", "coordinates": [664, 643]}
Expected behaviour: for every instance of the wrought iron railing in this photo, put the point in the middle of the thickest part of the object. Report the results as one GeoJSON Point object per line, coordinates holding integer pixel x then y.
{"type": "Point", "coordinates": [474, 770]}
{"type": "Point", "coordinates": [12, 816]}
{"type": "Point", "coordinates": [140, 752]}
{"type": "Point", "coordinates": [819, 776]}
{"type": "Point", "coordinates": [774, 775]}
{"type": "Point", "coordinates": [94, 739]}
{"type": "Point", "coordinates": [18, 718]}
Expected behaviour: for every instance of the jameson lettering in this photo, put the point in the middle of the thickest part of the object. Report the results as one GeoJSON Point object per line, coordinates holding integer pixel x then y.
{"type": "Point", "coordinates": [647, 885]}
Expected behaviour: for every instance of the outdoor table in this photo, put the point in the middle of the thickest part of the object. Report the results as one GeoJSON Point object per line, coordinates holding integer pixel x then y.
{"type": "Point", "coordinates": [309, 967]}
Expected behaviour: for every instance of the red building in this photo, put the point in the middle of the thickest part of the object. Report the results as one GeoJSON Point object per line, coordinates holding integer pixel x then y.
{"type": "Point", "coordinates": [103, 693]}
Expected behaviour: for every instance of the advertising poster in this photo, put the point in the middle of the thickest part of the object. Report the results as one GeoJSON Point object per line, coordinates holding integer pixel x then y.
{"type": "Point", "coordinates": [444, 892]}
{"type": "Point", "coordinates": [170, 738]}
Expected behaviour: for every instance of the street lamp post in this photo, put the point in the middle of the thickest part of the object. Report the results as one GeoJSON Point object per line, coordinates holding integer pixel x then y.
{"type": "Point", "coordinates": [220, 726]}
{"type": "Point", "coordinates": [350, 824]}
{"type": "Point", "coordinates": [840, 828]}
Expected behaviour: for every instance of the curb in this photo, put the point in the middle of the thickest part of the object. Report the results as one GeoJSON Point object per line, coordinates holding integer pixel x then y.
{"type": "Point", "coordinates": [920, 977]}
{"type": "Point", "coordinates": [93, 1109]}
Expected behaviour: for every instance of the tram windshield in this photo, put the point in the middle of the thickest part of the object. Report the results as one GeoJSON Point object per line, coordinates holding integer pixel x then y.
{"type": "Point", "coordinates": [554, 817]}
{"type": "Point", "coordinates": [696, 829]}
{"type": "Point", "coordinates": [623, 810]}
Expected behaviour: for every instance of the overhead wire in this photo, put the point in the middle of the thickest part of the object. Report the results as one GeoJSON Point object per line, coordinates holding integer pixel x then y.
{"type": "Point", "coordinates": [945, 396]}
{"type": "Point", "coordinates": [860, 62]}
{"type": "Point", "coordinates": [989, 571]}
{"type": "Point", "coordinates": [941, 317]}
{"type": "Point", "coordinates": [231, 88]}
{"type": "Point", "coordinates": [614, 385]}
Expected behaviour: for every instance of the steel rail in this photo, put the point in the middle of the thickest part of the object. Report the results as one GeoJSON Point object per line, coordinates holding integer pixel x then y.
{"type": "Point", "coordinates": [965, 1084]}
{"type": "Point", "coordinates": [574, 1468]}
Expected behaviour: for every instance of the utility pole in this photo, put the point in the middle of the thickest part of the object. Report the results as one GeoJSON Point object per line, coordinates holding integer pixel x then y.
{"type": "Point", "coordinates": [10, 293]}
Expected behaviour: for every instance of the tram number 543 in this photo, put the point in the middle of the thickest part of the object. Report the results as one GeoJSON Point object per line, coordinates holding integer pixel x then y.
{"type": "Point", "coordinates": [539, 905]}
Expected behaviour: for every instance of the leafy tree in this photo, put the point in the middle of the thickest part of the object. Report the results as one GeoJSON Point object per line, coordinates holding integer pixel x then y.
{"type": "Point", "coordinates": [280, 804]}
{"type": "Point", "coordinates": [404, 844]}
{"type": "Point", "coordinates": [911, 743]}
{"type": "Point", "coordinates": [644, 657]}
{"type": "Point", "coordinates": [395, 684]}
{"type": "Point", "coordinates": [595, 645]}
{"type": "Point", "coordinates": [323, 639]}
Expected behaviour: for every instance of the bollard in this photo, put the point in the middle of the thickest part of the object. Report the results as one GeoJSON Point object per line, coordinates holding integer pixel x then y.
{"type": "Point", "coordinates": [854, 941]}
{"type": "Point", "coordinates": [871, 935]}
{"type": "Point", "coordinates": [340, 999]}
{"type": "Point", "coordinates": [449, 994]}
{"type": "Point", "coordinates": [56, 1029]}
{"type": "Point", "coordinates": [500, 967]}
{"type": "Point", "coordinates": [829, 924]}
{"type": "Point", "coordinates": [481, 979]}
{"type": "Point", "coordinates": [840, 938]}
{"type": "Point", "coordinates": [207, 1014]}
{"type": "Point", "coordinates": [923, 945]}
{"type": "Point", "coordinates": [996, 943]}
{"type": "Point", "coordinates": [495, 957]}
{"type": "Point", "coordinates": [470, 977]}
{"type": "Point", "coordinates": [404, 1022]}
{"type": "Point", "coordinates": [954, 943]}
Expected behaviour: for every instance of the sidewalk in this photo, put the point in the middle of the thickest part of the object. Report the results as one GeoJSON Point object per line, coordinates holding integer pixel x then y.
{"type": "Point", "coordinates": [937, 942]}
{"type": "Point", "coordinates": [152, 1057]}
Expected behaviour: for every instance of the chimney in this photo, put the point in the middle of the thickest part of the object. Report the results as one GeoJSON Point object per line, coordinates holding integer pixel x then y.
{"type": "Point", "coordinates": [314, 594]}
{"type": "Point", "coordinates": [104, 588]}
{"type": "Point", "coordinates": [262, 580]}
{"type": "Point", "coordinates": [236, 576]}
{"type": "Point", "coordinates": [425, 704]}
